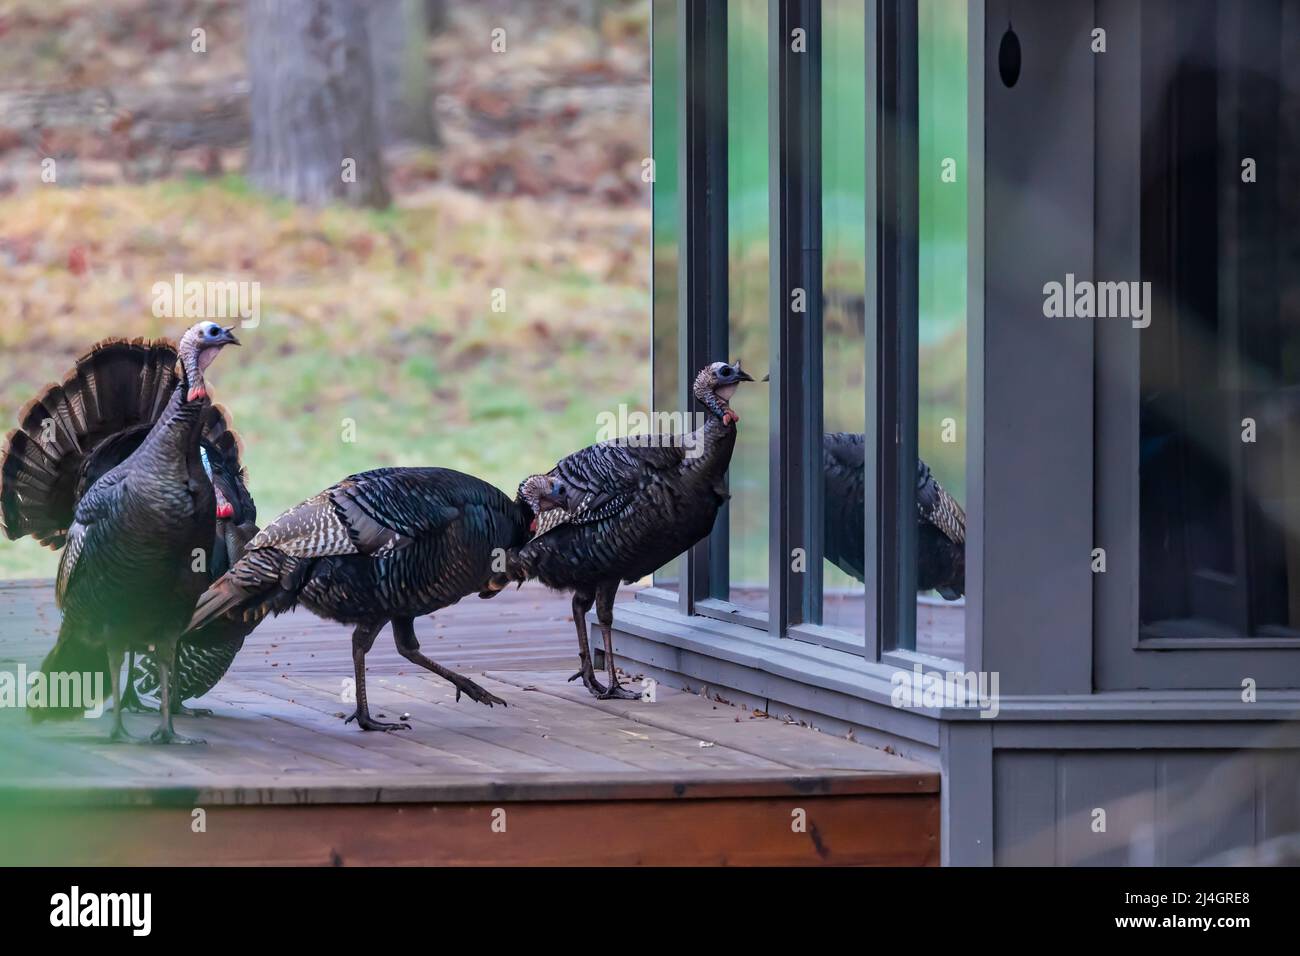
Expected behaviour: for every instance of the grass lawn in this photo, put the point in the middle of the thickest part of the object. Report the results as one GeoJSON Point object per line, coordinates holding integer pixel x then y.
{"type": "Point", "coordinates": [381, 319]}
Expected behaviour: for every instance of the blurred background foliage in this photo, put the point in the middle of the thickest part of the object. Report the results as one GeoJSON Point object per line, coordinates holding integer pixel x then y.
{"type": "Point", "coordinates": [383, 317]}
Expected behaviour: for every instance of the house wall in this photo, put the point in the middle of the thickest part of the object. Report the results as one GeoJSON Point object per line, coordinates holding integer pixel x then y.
{"type": "Point", "coordinates": [1068, 772]}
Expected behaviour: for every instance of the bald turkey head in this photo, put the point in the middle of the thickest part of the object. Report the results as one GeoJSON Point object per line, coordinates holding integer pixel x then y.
{"type": "Point", "coordinates": [716, 384]}
{"type": "Point", "coordinates": [199, 347]}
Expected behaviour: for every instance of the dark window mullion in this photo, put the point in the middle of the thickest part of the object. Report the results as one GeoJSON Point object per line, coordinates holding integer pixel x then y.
{"type": "Point", "coordinates": [796, 264]}
{"type": "Point", "coordinates": [897, 305]}
{"type": "Point", "coordinates": [703, 264]}
{"type": "Point", "coordinates": [871, 497]}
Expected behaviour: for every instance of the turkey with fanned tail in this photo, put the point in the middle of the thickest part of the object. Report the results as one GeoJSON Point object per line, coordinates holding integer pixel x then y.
{"type": "Point", "coordinates": [109, 466]}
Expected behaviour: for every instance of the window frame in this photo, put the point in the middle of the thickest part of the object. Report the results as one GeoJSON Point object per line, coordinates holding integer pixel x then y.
{"type": "Point", "coordinates": [1124, 658]}
{"type": "Point", "coordinates": [795, 235]}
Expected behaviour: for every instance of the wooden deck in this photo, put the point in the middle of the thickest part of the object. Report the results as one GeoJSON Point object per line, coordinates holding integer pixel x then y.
{"type": "Point", "coordinates": [555, 778]}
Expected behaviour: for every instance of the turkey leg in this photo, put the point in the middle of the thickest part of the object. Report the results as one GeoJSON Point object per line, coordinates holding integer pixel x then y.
{"type": "Point", "coordinates": [165, 655]}
{"type": "Point", "coordinates": [582, 601]}
{"type": "Point", "coordinates": [409, 647]}
{"type": "Point", "coordinates": [605, 618]}
{"type": "Point", "coordinates": [132, 704]}
{"type": "Point", "coordinates": [118, 733]}
{"type": "Point", "coordinates": [363, 638]}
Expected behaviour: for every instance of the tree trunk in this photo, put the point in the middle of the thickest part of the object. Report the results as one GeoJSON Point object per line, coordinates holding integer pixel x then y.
{"type": "Point", "coordinates": [314, 132]}
{"type": "Point", "coordinates": [435, 16]}
{"type": "Point", "coordinates": [398, 50]}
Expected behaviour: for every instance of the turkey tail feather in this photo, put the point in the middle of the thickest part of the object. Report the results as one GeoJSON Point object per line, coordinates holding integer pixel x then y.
{"type": "Point", "coordinates": [263, 581]}
{"type": "Point", "coordinates": [75, 431]}
{"type": "Point", "coordinates": [224, 596]}
{"type": "Point", "coordinates": [116, 385]}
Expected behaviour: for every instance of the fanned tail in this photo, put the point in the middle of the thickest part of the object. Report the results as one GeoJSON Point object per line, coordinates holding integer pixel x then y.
{"type": "Point", "coordinates": [116, 386]}
{"type": "Point", "coordinates": [75, 431]}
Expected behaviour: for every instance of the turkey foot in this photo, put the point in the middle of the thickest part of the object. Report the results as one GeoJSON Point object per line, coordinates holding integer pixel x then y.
{"type": "Point", "coordinates": [588, 675]}
{"type": "Point", "coordinates": [165, 735]}
{"type": "Point", "coordinates": [409, 647]}
{"type": "Point", "coordinates": [120, 735]}
{"type": "Point", "coordinates": [618, 692]}
{"type": "Point", "coordinates": [366, 722]}
{"type": "Point", "coordinates": [473, 691]}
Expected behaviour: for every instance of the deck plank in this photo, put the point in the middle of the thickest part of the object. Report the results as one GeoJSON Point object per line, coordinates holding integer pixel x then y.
{"type": "Point", "coordinates": [719, 723]}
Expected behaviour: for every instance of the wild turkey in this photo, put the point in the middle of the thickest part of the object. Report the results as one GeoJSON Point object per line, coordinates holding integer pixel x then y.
{"type": "Point", "coordinates": [116, 425]}
{"type": "Point", "coordinates": [202, 658]}
{"type": "Point", "coordinates": [384, 545]}
{"type": "Point", "coordinates": [131, 521]}
{"type": "Point", "coordinates": [940, 521]}
{"type": "Point", "coordinates": [627, 509]}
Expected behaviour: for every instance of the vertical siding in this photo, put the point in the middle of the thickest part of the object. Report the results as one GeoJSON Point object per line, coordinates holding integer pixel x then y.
{"type": "Point", "coordinates": [1162, 807]}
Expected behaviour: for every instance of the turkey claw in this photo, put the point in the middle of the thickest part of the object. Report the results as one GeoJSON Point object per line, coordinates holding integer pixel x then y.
{"type": "Point", "coordinates": [120, 735]}
{"type": "Point", "coordinates": [366, 722]}
{"type": "Point", "coordinates": [618, 692]}
{"type": "Point", "coordinates": [474, 692]}
{"type": "Point", "coordinates": [595, 687]}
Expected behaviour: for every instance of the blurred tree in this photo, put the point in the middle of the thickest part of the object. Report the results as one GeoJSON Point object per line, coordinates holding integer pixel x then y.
{"type": "Point", "coordinates": [435, 16]}
{"type": "Point", "coordinates": [399, 51]}
{"type": "Point", "coordinates": [315, 137]}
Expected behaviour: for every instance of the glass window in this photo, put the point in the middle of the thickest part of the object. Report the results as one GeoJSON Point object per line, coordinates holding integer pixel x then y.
{"type": "Point", "coordinates": [665, 348]}
{"type": "Point", "coordinates": [941, 333]}
{"type": "Point", "coordinates": [747, 223]}
{"type": "Point", "coordinates": [1219, 434]}
{"type": "Point", "coordinates": [844, 286]}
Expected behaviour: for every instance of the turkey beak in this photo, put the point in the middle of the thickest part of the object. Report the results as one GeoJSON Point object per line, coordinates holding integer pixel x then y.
{"type": "Point", "coordinates": [744, 376]}
{"type": "Point", "coordinates": [230, 336]}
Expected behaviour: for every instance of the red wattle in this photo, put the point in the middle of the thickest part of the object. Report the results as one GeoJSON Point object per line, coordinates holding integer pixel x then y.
{"type": "Point", "coordinates": [533, 526]}
{"type": "Point", "coordinates": [196, 394]}
{"type": "Point", "coordinates": [225, 510]}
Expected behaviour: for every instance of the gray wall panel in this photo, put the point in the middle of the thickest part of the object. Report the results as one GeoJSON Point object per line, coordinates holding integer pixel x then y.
{"type": "Point", "coordinates": [1034, 615]}
{"type": "Point", "coordinates": [1205, 805]}
{"type": "Point", "coordinates": [1024, 810]}
{"type": "Point", "coordinates": [1163, 808]}
{"type": "Point", "coordinates": [1090, 784]}
{"type": "Point", "coordinates": [1277, 795]}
